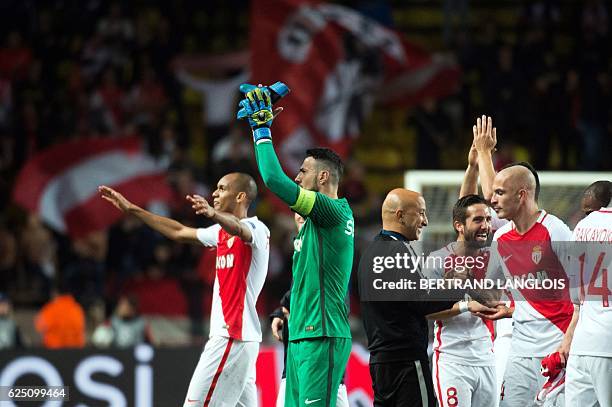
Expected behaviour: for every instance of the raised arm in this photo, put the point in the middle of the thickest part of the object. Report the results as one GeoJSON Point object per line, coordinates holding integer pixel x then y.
{"type": "Point", "coordinates": [273, 175]}
{"type": "Point", "coordinates": [485, 139]}
{"type": "Point", "coordinates": [469, 186]}
{"type": "Point", "coordinates": [230, 223]}
{"type": "Point", "coordinates": [170, 228]}
{"type": "Point", "coordinates": [257, 107]}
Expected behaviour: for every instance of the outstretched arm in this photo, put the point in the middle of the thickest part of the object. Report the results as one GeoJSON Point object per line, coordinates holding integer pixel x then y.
{"type": "Point", "coordinates": [168, 227]}
{"type": "Point", "coordinates": [485, 139]}
{"type": "Point", "coordinates": [230, 223]}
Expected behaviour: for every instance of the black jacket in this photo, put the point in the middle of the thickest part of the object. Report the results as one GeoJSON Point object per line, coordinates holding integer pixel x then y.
{"type": "Point", "coordinates": [396, 330]}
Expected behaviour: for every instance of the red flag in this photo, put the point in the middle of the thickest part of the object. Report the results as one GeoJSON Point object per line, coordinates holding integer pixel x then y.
{"type": "Point", "coordinates": [338, 62]}
{"type": "Point", "coordinates": [60, 184]}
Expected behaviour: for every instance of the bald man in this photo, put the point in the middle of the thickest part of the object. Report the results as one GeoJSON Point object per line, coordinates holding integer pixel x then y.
{"type": "Point", "coordinates": [528, 248]}
{"type": "Point", "coordinates": [397, 330]}
{"type": "Point", "coordinates": [225, 373]}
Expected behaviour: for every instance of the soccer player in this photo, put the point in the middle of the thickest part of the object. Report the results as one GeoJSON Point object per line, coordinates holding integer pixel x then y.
{"type": "Point", "coordinates": [280, 331]}
{"type": "Point", "coordinates": [464, 363]}
{"type": "Point", "coordinates": [590, 353]}
{"type": "Point", "coordinates": [480, 165]}
{"type": "Point", "coordinates": [596, 196]}
{"type": "Point", "coordinates": [528, 248]}
{"type": "Point", "coordinates": [319, 332]}
{"type": "Point", "coordinates": [225, 373]}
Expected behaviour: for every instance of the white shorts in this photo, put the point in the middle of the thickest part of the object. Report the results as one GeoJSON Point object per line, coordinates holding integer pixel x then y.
{"type": "Point", "coordinates": [463, 385]}
{"type": "Point", "coordinates": [501, 350]}
{"type": "Point", "coordinates": [224, 375]}
{"type": "Point", "coordinates": [589, 381]}
{"type": "Point", "coordinates": [341, 401]}
{"type": "Point", "coordinates": [522, 381]}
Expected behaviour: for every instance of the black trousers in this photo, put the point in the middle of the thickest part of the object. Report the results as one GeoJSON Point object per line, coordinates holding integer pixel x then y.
{"type": "Point", "coordinates": [402, 384]}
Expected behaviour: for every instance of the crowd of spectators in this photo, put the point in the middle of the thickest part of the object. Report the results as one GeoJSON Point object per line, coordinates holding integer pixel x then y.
{"type": "Point", "coordinates": [546, 81]}
{"type": "Point", "coordinates": [98, 69]}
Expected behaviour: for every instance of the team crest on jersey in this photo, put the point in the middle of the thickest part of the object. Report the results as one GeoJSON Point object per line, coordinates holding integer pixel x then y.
{"type": "Point", "coordinates": [297, 245]}
{"type": "Point", "coordinates": [230, 242]}
{"type": "Point", "coordinates": [536, 254]}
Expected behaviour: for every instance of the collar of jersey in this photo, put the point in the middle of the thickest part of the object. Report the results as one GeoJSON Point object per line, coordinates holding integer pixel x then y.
{"type": "Point", "coordinates": [394, 235]}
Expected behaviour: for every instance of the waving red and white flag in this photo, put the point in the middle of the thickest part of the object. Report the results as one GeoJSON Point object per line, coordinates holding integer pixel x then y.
{"type": "Point", "coordinates": [60, 184]}
{"type": "Point", "coordinates": [338, 63]}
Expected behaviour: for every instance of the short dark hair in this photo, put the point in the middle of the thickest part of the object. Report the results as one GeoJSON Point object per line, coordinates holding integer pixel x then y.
{"type": "Point", "coordinates": [245, 183]}
{"type": "Point", "coordinates": [601, 191]}
{"type": "Point", "coordinates": [533, 172]}
{"type": "Point", "coordinates": [462, 204]}
{"type": "Point", "coordinates": [330, 159]}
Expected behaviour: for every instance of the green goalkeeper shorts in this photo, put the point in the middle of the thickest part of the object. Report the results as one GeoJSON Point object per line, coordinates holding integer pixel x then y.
{"type": "Point", "coordinates": [314, 370]}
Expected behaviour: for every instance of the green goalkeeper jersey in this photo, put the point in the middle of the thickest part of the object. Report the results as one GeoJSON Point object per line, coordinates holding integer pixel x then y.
{"type": "Point", "coordinates": [323, 256]}
{"type": "Point", "coordinates": [322, 263]}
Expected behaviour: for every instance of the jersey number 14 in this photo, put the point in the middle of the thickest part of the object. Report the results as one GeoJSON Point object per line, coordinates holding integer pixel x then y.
{"type": "Point", "coordinates": [592, 289]}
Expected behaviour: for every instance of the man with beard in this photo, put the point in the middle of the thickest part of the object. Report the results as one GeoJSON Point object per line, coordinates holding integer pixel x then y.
{"type": "Point", "coordinates": [319, 332]}
{"type": "Point", "coordinates": [464, 365]}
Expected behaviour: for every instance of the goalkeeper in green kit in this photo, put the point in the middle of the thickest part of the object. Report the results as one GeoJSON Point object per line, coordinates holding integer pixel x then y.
{"type": "Point", "coordinates": [319, 333]}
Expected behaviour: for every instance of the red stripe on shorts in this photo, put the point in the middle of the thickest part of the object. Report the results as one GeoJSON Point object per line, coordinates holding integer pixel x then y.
{"type": "Point", "coordinates": [437, 351]}
{"type": "Point", "coordinates": [218, 372]}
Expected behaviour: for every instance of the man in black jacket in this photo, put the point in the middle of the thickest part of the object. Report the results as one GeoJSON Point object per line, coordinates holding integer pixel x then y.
{"type": "Point", "coordinates": [394, 305]}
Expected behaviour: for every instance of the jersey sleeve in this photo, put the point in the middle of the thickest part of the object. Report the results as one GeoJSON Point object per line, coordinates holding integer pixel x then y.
{"type": "Point", "coordinates": [322, 209]}
{"type": "Point", "coordinates": [209, 236]}
{"type": "Point", "coordinates": [273, 175]}
{"type": "Point", "coordinates": [259, 232]}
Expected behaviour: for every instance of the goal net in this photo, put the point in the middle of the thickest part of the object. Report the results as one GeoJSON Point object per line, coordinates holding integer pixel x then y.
{"type": "Point", "coordinates": [560, 195]}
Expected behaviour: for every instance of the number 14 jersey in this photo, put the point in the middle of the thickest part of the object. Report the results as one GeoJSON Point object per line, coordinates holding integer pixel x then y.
{"type": "Point", "coordinates": [590, 274]}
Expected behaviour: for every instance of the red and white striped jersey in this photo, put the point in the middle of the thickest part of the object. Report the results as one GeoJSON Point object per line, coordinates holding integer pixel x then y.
{"type": "Point", "coordinates": [541, 316]}
{"type": "Point", "coordinates": [463, 339]}
{"type": "Point", "coordinates": [593, 334]}
{"type": "Point", "coordinates": [240, 275]}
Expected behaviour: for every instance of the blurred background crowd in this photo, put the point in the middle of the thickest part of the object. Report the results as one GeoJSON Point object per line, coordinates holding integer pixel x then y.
{"type": "Point", "coordinates": [169, 72]}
